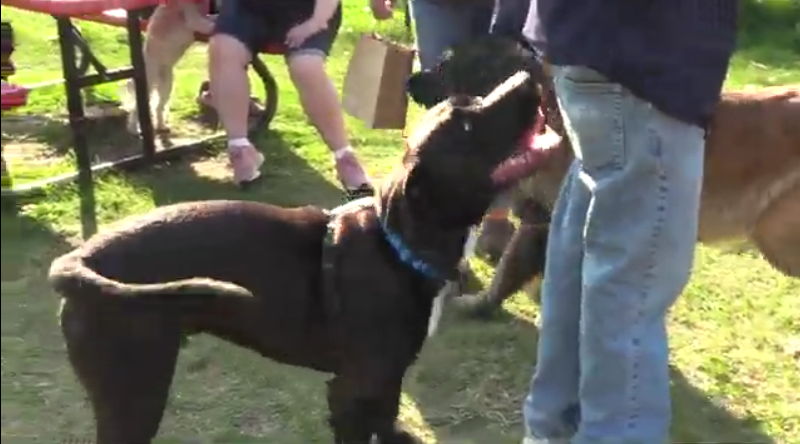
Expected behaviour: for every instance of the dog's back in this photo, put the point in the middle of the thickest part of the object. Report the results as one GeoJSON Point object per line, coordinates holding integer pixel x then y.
{"type": "Point", "coordinates": [219, 240]}
{"type": "Point", "coordinates": [752, 158]}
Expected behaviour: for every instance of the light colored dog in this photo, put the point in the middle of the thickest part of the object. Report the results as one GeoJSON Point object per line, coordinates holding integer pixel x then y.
{"type": "Point", "coordinates": [751, 187]}
{"type": "Point", "coordinates": [170, 33]}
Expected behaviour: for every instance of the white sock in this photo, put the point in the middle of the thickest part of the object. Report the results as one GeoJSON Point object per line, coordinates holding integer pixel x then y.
{"type": "Point", "coordinates": [239, 142]}
{"type": "Point", "coordinates": [341, 152]}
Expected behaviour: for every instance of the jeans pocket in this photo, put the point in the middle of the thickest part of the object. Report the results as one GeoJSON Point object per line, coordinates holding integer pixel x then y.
{"type": "Point", "coordinates": [592, 108]}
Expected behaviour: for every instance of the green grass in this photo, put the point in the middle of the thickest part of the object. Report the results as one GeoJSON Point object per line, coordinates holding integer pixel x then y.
{"type": "Point", "coordinates": [734, 377]}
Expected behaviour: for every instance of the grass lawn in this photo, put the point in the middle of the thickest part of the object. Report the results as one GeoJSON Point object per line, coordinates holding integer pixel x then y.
{"type": "Point", "coordinates": [735, 373]}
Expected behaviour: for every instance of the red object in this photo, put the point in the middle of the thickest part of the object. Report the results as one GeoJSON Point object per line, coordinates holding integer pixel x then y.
{"type": "Point", "coordinates": [109, 12]}
{"type": "Point", "coordinates": [13, 96]}
{"type": "Point", "coordinates": [75, 8]}
{"type": "Point", "coordinates": [527, 159]}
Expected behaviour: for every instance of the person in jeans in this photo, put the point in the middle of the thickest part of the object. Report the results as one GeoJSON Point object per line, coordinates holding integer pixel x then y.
{"type": "Point", "coordinates": [636, 83]}
{"type": "Point", "coordinates": [441, 24]}
{"type": "Point", "coordinates": [308, 29]}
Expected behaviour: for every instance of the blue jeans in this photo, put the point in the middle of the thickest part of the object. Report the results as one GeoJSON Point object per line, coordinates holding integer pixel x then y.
{"type": "Point", "coordinates": [620, 251]}
{"type": "Point", "coordinates": [440, 24]}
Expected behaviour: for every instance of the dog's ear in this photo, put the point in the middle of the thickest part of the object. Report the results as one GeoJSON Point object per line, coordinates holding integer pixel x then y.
{"type": "Point", "coordinates": [426, 88]}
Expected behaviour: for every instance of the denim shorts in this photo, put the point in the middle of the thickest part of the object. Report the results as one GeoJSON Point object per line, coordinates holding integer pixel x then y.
{"type": "Point", "coordinates": [256, 31]}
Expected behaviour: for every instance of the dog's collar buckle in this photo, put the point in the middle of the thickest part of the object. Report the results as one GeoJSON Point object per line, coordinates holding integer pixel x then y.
{"type": "Point", "coordinates": [330, 279]}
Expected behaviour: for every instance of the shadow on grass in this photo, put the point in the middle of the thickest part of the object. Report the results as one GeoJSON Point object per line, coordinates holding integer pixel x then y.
{"type": "Point", "coordinates": [471, 381]}
{"type": "Point", "coordinates": [27, 245]}
{"type": "Point", "coordinates": [471, 377]}
{"type": "Point", "coordinates": [105, 129]}
{"type": "Point", "coordinates": [34, 137]}
{"type": "Point", "coordinates": [697, 418]}
{"type": "Point", "coordinates": [28, 308]}
{"type": "Point", "coordinates": [287, 180]}
{"type": "Point", "coordinates": [38, 384]}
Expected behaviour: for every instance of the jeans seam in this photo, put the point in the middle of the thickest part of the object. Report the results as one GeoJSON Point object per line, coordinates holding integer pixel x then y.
{"type": "Point", "coordinates": [649, 274]}
{"type": "Point", "coordinates": [619, 137]}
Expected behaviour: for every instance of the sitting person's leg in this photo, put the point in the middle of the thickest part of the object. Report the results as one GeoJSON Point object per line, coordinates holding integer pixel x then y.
{"type": "Point", "coordinates": [320, 101]}
{"type": "Point", "coordinates": [230, 51]}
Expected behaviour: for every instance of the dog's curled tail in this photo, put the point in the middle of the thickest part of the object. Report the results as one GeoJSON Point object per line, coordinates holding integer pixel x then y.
{"type": "Point", "coordinates": [71, 278]}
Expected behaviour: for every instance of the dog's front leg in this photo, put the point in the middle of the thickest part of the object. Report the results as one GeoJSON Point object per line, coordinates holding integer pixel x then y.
{"type": "Point", "coordinates": [364, 405]}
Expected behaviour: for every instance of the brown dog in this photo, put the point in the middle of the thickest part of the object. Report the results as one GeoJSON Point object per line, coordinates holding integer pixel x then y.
{"type": "Point", "coordinates": [751, 187]}
{"type": "Point", "coordinates": [348, 292]}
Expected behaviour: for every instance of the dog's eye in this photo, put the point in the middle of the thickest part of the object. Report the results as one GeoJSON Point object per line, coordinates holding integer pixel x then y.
{"type": "Point", "coordinates": [467, 125]}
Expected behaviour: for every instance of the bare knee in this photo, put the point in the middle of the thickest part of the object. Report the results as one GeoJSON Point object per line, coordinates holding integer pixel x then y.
{"type": "Point", "coordinates": [307, 70]}
{"type": "Point", "coordinates": [225, 50]}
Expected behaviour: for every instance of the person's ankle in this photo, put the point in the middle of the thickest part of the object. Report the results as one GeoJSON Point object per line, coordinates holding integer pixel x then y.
{"type": "Point", "coordinates": [238, 143]}
{"type": "Point", "coordinates": [343, 152]}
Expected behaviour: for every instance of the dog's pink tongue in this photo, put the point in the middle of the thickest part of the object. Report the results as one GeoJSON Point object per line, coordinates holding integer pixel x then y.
{"type": "Point", "coordinates": [534, 149]}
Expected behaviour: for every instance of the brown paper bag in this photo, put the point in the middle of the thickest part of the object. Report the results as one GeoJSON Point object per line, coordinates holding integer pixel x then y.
{"type": "Point", "coordinates": [374, 89]}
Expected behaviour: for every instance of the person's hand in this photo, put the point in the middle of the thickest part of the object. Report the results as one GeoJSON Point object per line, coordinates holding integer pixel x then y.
{"type": "Point", "coordinates": [382, 9]}
{"type": "Point", "coordinates": [299, 33]}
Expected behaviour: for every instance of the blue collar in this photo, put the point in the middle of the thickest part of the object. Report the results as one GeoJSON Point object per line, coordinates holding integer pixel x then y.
{"type": "Point", "coordinates": [404, 253]}
{"type": "Point", "coordinates": [407, 256]}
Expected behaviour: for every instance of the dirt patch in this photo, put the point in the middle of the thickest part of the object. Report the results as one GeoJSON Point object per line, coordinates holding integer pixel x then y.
{"type": "Point", "coordinates": [39, 140]}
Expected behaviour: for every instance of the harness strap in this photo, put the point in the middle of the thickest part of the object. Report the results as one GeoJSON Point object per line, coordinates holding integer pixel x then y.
{"type": "Point", "coordinates": [330, 279]}
{"type": "Point", "coordinates": [331, 254]}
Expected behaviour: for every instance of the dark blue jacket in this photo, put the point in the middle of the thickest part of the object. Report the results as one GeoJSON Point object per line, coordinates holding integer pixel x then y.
{"type": "Point", "coordinates": [672, 53]}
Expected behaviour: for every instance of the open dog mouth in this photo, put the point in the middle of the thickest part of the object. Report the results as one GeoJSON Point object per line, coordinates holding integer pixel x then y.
{"type": "Point", "coordinates": [534, 148]}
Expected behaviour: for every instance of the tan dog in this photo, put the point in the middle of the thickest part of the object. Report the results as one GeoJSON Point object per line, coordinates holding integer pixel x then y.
{"type": "Point", "coordinates": [751, 190]}
{"type": "Point", "coordinates": [752, 181]}
{"type": "Point", "coordinates": [170, 33]}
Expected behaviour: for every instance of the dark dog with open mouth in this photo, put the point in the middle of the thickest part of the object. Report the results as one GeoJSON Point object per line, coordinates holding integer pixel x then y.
{"type": "Point", "coordinates": [751, 187]}
{"type": "Point", "coordinates": [476, 67]}
{"type": "Point", "coordinates": [349, 292]}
